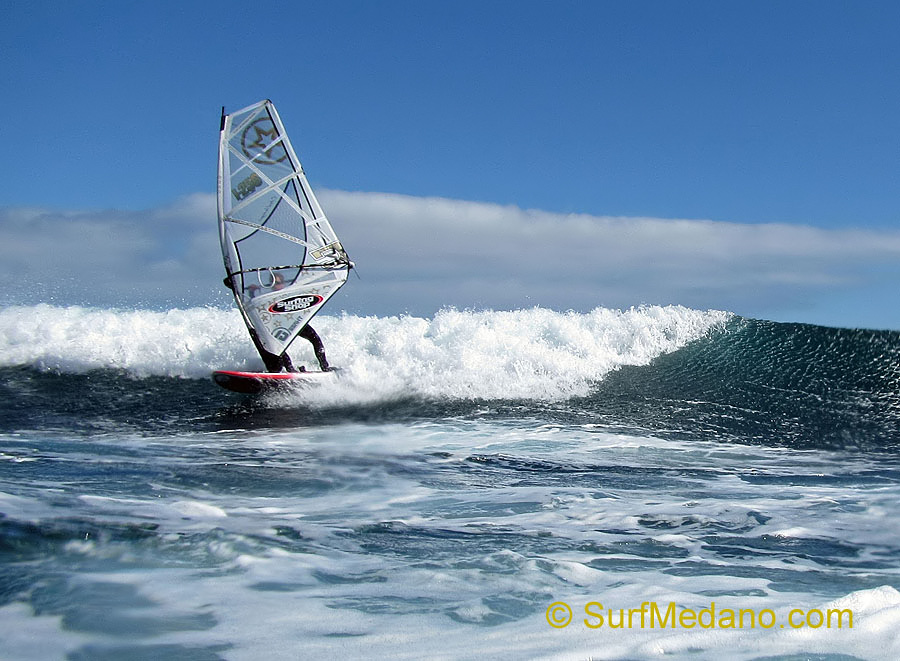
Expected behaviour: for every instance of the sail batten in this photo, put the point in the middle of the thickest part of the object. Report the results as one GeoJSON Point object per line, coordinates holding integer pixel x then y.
{"type": "Point", "coordinates": [282, 257]}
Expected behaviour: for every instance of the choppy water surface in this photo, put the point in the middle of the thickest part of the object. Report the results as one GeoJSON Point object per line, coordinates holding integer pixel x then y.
{"type": "Point", "coordinates": [465, 473]}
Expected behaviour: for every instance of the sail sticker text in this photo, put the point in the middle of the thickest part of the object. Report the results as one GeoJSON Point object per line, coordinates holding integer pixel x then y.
{"type": "Point", "coordinates": [295, 303]}
{"type": "Point", "coordinates": [334, 249]}
{"type": "Point", "coordinates": [247, 186]}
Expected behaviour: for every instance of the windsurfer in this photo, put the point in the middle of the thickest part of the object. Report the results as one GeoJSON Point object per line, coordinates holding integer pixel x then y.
{"type": "Point", "coordinates": [283, 363]}
{"type": "Point", "coordinates": [281, 254]}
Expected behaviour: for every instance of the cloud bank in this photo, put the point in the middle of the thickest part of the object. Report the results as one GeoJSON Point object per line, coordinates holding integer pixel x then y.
{"type": "Point", "coordinates": [417, 255]}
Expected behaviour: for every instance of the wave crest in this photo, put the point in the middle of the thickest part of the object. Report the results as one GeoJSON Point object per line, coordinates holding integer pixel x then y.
{"type": "Point", "coordinates": [522, 354]}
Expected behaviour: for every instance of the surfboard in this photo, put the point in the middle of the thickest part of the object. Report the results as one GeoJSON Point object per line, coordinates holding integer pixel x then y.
{"type": "Point", "coordinates": [283, 260]}
{"type": "Point", "coordinates": [253, 383]}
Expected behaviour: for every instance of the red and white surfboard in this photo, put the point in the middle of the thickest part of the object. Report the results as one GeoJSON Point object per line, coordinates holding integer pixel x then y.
{"type": "Point", "coordinates": [252, 383]}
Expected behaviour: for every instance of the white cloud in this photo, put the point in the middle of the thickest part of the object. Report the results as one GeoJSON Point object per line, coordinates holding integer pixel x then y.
{"type": "Point", "coordinates": [164, 256]}
{"type": "Point", "coordinates": [419, 254]}
{"type": "Point", "coordinates": [474, 254]}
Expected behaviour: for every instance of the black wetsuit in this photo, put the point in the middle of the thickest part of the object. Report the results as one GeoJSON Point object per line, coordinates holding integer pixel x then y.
{"type": "Point", "coordinates": [282, 363]}
{"type": "Point", "coordinates": [307, 333]}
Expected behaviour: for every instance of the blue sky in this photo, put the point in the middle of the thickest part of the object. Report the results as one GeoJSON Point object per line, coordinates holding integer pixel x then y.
{"type": "Point", "coordinates": [760, 115]}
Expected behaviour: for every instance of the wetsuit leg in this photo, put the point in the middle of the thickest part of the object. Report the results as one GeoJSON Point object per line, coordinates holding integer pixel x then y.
{"type": "Point", "coordinates": [273, 362]}
{"type": "Point", "coordinates": [308, 333]}
{"type": "Point", "coordinates": [286, 362]}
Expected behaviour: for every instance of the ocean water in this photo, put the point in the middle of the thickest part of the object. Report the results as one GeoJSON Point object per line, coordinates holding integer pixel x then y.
{"type": "Point", "coordinates": [438, 499]}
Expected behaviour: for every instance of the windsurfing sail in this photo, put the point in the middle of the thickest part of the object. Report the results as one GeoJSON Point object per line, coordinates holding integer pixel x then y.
{"type": "Point", "coordinates": [282, 257]}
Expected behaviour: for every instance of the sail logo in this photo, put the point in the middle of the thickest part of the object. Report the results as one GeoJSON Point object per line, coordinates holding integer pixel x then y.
{"type": "Point", "coordinates": [257, 142]}
{"type": "Point", "coordinates": [247, 186]}
{"type": "Point", "coordinates": [295, 304]}
{"type": "Point", "coordinates": [281, 334]}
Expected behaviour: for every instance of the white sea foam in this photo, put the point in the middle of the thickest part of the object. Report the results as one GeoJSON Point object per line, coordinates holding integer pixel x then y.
{"type": "Point", "coordinates": [296, 573]}
{"type": "Point", "coordinates": [532, 354]}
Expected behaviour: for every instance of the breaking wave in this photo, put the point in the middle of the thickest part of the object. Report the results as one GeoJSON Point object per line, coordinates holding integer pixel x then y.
{"type": "Point", "coordinates": [521, 354]}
